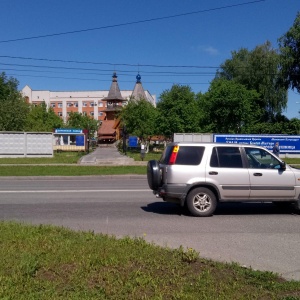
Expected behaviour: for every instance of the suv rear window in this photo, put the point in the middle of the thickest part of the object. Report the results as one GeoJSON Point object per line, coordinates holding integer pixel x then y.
{"type": "Point", "coordinates": [182, 155]}
{"type": "Point", "coordinates": [226, 157]}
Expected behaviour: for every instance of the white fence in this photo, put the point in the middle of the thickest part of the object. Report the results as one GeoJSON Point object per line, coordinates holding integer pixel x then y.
{"type": "Point", "coordinates": [193, 137]}
{"type": "Point", "coordinates": [26, 144]}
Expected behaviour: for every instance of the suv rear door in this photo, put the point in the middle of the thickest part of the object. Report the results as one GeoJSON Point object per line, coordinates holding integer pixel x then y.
{"type": "Point", "coordinates": [228, 172]}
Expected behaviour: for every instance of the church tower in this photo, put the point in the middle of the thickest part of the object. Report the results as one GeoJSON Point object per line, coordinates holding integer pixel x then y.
{"type": "Point", "coordinates": [138, 92]}
{"type": "Point", "coordinates": [109, 130]}
{"type": "Point", "coordinates": [114, 99]}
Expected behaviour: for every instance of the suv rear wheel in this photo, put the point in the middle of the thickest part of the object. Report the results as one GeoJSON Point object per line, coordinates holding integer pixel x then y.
{"type": "Point", "coordinates": [201, 202]}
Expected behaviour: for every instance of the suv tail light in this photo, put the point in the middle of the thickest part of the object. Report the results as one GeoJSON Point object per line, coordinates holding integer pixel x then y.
{"type": "Point", "coordinates": [173, 156]}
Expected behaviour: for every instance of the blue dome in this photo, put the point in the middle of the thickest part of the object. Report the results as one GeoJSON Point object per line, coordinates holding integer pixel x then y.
{"type": "Point", "coordinates": [138, 78]}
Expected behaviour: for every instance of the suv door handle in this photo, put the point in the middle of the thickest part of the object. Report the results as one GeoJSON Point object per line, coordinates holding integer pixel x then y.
{"type": "Point", "coordinates": [257, 174]}
{"type": "Point", "coordinates": [213, 173]}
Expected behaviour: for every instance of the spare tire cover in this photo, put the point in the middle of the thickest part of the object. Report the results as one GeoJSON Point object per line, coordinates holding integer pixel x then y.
{"type": "Point", "coordinates": [153, 174]}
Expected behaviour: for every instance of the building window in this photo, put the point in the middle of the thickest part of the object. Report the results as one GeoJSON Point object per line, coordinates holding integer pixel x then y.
{"type": "Point", "coordinates": [100, 113]}
{"type": "Point", "coordinates": [76, 104]}
{"type": "Point", "coordinates": [59, 114]}
{"type": "Point", "coordinates": [91, 113]}
{"type": "Point", "coordinates": [69, 104]}
{"type": "Point", "coordinates": [100, 104]}
{"type": "Point", "coordinates": [84, 104]}
{"type": "Point", "coordinates": [59, 105]}
{"type": "Point", "coordinates": [84, 113]}
{"type": "Point", "coordinates": [92, 104]}
{"type": "Point", "coordinates": [53, 105]}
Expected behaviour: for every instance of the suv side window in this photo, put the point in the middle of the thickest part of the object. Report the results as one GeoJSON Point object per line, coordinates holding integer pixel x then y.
{"type": "Point", "coordinates": [164, 159]}
{"type": "Point", "coordinates": [226, 157]}
{"type": "Point", "coordinates": [261, 159]}
{"type": "Point", "coordinates": [189, 155]}
{"type": "Point", "coordinates": [185, 155]}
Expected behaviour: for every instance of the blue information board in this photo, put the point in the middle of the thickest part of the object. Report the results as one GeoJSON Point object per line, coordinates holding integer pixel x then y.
{"type": "Point", "coordinates": [287, 143]}
{"type": "Point", "coordinates": [79, 140]}
{"type": "Point", "coordinates": [132, 141]}
{"type": "Point", "coordinates": [68, 130]}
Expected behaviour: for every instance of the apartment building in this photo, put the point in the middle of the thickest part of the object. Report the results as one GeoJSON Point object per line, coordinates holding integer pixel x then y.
{"type": "Point", "coordinates": [96, 104]}
{"type": "Point", "coordinates": [99, 104]}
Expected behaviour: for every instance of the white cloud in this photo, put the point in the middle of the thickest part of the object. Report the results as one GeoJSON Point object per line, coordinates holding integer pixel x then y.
{"type": "Point", "coordinates": [208, 49]}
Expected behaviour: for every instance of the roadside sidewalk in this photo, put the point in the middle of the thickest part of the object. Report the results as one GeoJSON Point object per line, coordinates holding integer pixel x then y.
{"type": "Point", "coordinates": [108, 155]}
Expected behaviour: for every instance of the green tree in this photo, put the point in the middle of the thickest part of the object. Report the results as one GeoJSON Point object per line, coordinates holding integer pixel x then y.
{"type": "Point", "coordinates": [289, 46]}
{"type": "Point", "coordinates": [80, 121]}
{"type": "Point", "coordinates": [229, 107]}
{"type": "Point", "coordinates": [178, 111]}
{"type": "Point", "coordinates": [280, 126]}
{"type": "Point", "coordinates": [293, 126]}
{"type": "Point", "coordinates": [258, 70]}
{"type": "Point", "coordinates": [140, 118]}
{"type": "Point", "coordinates": [13, 107]}
{"type": "Point", "coordinates": [40, 118]}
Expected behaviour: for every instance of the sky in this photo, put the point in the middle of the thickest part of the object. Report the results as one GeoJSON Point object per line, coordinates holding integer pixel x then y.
{"type": "Point", "coordinates": [76, 45]}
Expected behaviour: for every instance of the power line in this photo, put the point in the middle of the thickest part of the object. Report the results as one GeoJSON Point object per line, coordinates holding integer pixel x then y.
{"type": "Point", "coordinates": [123, 73]}
{"type": "Point", "coordinates": [110, 64]}
{"type": "Point", "coordinates": [131, 23]}
{"type": "Point", "coordinates": [94, 79]}
{"type": "Point", "coordinates": [163, 73]}
{"type": "Point", "coordinates": [119, 71]}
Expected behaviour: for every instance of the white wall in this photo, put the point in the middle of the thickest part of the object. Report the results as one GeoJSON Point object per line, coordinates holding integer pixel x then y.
{"type": "Point", "coordinates": [26, 144]}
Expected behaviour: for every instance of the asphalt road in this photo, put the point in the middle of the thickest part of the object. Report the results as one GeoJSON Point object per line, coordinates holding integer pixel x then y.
{"type": "Point", "coordinates": [261, 236]}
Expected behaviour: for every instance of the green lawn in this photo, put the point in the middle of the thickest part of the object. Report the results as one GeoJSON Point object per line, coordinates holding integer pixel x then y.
{"type": "Point", "coordinates": [38, 170]}
{"type": "Point", "coordinates": [47, 262]}
{"type": "Point", "coordinates": [58, 158]}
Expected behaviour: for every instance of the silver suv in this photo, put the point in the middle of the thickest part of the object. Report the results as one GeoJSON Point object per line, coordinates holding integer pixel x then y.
{"type": "Point", "coordinates": [200, 175]}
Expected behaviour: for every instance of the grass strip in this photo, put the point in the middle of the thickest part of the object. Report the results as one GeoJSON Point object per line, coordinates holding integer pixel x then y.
{"type": "Point", "coordinates": [38, 170]}
{"type": "Point", "coordinates": [47, 262]}
{"type": "Point", "coordinates": [58, 158]}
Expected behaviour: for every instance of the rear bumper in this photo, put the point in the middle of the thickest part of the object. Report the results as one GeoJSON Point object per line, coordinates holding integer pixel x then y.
{"type": "Point", "coordinates": [172, 190]}
{"type": "Point", "coordinates": [172, 193]}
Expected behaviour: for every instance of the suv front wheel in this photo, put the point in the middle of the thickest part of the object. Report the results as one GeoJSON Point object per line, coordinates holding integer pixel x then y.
{"type": "Point", "coordinates": [201, 202]}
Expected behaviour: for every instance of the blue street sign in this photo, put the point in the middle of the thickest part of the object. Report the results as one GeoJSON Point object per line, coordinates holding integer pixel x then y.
{"type": "Point", "coordinates": [287, 143]}
{"type": "Point", "coordinates": [132, 141]}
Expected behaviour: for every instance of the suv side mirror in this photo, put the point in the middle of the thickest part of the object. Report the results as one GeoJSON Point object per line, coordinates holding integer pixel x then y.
{"type": "Point", "coordinates": [282, 165]}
